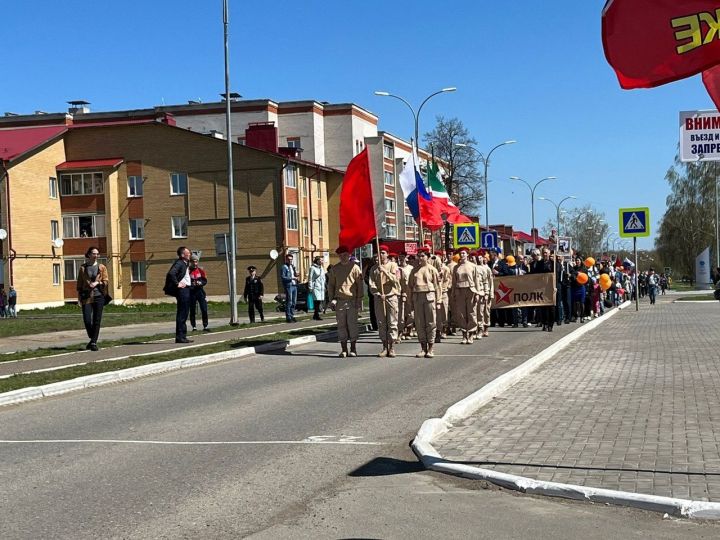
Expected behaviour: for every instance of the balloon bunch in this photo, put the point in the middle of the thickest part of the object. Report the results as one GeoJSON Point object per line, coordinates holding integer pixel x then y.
{"type": "Point", "coordinates": [605, 282]}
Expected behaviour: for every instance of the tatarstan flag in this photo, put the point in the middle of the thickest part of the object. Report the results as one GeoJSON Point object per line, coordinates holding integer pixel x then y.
{"type": "Point", "coordinates": [440, 196]}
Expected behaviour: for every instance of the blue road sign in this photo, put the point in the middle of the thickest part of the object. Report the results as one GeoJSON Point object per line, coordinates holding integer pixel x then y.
{"type": "Point", "coordinates": [634, 222]}
{"type": "Point", "coordinates": [466, 235]}
{"type": "Point", "coordinates": [489, 239]}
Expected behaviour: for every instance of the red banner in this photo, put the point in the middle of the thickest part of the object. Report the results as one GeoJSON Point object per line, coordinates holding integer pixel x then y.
{"type": "Point", "coordinates": [653, 42]}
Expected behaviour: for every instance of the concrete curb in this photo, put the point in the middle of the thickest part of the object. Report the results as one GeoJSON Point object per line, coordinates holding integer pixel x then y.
{"type": "Point", "coordinates": [435, 427]}
{"type": "Point", "coordinates": [100, 379]}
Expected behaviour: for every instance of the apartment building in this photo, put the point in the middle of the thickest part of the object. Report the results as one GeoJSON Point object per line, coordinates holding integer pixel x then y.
{"type": "Point", "coordinates": [137, 188]}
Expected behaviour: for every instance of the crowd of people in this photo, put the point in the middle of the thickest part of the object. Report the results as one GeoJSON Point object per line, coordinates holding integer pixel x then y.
{"type": "Point", "coordinates": [8, 303]}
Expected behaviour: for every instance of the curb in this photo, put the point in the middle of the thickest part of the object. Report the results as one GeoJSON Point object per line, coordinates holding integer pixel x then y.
{"type": "Point", "coordinates": [434, 427]}
{"type": "Point", "coordinates": [23, 395]}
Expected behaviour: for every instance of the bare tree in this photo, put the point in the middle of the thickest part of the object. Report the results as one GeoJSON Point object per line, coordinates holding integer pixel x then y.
{"type": "Point", "coordinates": [463, 179]}
{"type": "Point", "coordinates": [587, 227]}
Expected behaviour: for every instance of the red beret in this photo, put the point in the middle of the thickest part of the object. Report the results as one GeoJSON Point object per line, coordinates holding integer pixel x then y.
{"type": "Point", "coordinates": [393, 255]}
{"type": "Point", "coordinates": [424, 249]}
{"type": "Point", "coordinates": [458, 250]}
{"type": "Point", "coordinates": [384, 248]}
{"type": "Point", "coordinates": [439, 253]}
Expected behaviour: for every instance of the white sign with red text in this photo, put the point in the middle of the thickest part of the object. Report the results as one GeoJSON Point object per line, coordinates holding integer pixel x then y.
{"type": "Point", "coordinates": [699, 136]}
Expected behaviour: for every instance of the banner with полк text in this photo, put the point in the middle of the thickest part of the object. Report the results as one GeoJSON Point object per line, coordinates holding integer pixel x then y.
{"type": "Point", "coordinates": [530, 290]}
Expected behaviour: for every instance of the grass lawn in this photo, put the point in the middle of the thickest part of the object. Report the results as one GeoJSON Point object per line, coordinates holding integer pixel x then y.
{"type": "Point", "coordinates": [69, 317]}
{"type": "Point", "coordinates": [705, 297]}
{"type": "Point", "coordinates": [37, 379]}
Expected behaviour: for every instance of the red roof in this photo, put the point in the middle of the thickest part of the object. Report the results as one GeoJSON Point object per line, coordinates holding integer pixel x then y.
{"type": "Point", "coordinates": [16, 142]}
{"type": "Point", "coordinates": [526, 238]}
{"type": "Point", "coordinates": [90, 164]}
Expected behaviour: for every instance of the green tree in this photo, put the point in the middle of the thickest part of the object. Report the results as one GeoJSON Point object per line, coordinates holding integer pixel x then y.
{"type": "Point", "coordinates": [688, 226]}
{"type": "Point", "coordinates": [462, 176]}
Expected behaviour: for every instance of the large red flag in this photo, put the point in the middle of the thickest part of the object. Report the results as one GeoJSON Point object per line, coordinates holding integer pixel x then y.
{"type": "Point", "coordinates": [711, 80]}
{"type": "Point", "coordinates": [357, 208]}
{"type": "Point", "coordinates": [653, 42]}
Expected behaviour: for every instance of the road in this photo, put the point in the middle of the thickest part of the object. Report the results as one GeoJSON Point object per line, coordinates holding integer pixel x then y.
{"type": "Point", "coordinates": [304, 444]}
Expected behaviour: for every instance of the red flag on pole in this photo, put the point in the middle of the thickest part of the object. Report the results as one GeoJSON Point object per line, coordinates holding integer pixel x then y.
{"type": "Point", "coordinates": [711, 80]}
{"type": "Point", "coordinates": [357, 208]}
{"type": "Point", "coordinates": [652, 42]}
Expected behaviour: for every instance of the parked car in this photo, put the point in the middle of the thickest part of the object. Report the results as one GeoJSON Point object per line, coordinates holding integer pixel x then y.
{"type": "Point", "coordinates": [300, 305]}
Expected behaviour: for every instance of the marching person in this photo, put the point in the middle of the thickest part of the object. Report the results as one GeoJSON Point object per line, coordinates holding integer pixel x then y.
{"type": "Point", "coordinates": [385, 287]}
{"type": "Point", "coordinates": [316, 285]}
{"type": "Point", "coordinates": [465, 296]}
{"type": "Point", "coordinates": [407, 321]}
{"type": "Point", "coordinates": [253, 294]}
{"type": "Point", "coordinates": [198, 280]}
{"type": "Point", "coordinates": [177, 284]}
{"type": "Point", "coordinates": [519, 315]}
{"type": "Point", "coordinates": [485, 298]}
{"type": "Point", "coordinates": [289, 277]}
{"type": "Point", "coordinates": [652, 284]}
{"type": "Point", "coordinates": [345, 291]}
{"type": "Point", "coordinates": [424, 284]}
{"type": "Point", "coordinates": [544, 265]}
{"type": "Point", "coordinates": [402, 297]}
{"type": "Point", "coordinates": [92, 286]}
{"type": "Point", "coordinates": [445, 284]}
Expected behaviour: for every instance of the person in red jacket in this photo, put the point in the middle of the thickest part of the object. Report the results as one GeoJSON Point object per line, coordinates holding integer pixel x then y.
{"type": "Point", "coordinates": [198, 280]}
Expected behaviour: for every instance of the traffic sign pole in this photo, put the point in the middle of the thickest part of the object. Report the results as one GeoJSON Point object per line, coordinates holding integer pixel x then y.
{"type": "Point", "coordinates": [637, 275]}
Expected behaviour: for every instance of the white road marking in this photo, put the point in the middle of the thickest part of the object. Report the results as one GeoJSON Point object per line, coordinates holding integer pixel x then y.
{"type": "Point", "coordinates": [338, 441]}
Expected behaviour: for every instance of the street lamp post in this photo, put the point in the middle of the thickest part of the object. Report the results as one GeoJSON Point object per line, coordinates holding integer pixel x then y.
{"type": "Point", "coordinates": [486, 162]}
{"type": "Point", "coordinates": [557, 207]}
{"type": "Point", "coordinates": [532, 200]}
{"type": "Point", "coordinates": [607, 241]}
{"type": "Point", "coordinates": [416, 119]}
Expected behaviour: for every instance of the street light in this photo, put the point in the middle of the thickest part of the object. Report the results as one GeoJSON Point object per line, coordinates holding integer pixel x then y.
{"type": "Point", "coordinates": [486, 162]}
{"type": "Point", "coordinates": [532, 200]}
{"type": "Point", "coordinates": [416, 115]}
{"type": "Point", "coordinates": [557, 208]}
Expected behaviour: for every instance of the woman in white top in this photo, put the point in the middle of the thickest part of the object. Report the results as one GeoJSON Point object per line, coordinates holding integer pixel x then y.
{"type": "Point", "coordinates": [316, 285]}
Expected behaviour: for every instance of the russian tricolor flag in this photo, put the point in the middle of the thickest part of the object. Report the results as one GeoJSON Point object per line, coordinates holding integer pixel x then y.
{"type": "Point", "coordinates": [417, 198]}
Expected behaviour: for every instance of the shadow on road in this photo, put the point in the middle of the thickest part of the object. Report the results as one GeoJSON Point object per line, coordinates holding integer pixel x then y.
{"type": "Point", "coordinates": [384, 466]}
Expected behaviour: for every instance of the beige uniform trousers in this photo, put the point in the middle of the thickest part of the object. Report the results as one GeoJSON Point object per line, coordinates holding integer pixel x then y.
{"type": "Point", "coordinates": [403, 310]}
{"type": "Point", "coordinates": [387, 318]}
{"type": "Point", "coordinates": [346, 316]}
{"type": "Point", "coordinates": [441, 317]}
{"type": "Point", "coordinates": [466, 309]}
{"type": "Point", "coordinates": [425, 326]}
{"type": "Point", "coordinates": [483, 311]}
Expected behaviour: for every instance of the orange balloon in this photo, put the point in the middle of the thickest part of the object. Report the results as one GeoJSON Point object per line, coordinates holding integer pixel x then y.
{"type": "Point", "coordinates": [589, 262]}
{"type": "Point", "coordinates": [456, 258]}
{"type": "Point", "coordinates": [582, 278]}
{"type": "Point", "coordinates": [605, 284]}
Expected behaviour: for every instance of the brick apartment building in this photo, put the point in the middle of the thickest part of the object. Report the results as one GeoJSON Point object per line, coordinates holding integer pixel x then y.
{"type": "Point", "coordinates": [138, 187]}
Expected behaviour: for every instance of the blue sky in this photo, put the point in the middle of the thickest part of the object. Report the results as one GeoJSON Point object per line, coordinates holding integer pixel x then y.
{"type": "Point", "coordinates": [528, 70]}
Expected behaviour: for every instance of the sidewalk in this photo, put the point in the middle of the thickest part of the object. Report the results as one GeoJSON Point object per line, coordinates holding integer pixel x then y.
{"type": "Point", "coordinates": [134, 349]}
{"type": "Point", "coordinates": [634, 405]}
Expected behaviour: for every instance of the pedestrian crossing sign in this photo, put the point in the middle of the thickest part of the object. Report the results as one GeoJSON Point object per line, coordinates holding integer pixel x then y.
{"type": "Point", "coordinates": [634, 222]}
{"type": "Point", "coordinates": [466, 235]}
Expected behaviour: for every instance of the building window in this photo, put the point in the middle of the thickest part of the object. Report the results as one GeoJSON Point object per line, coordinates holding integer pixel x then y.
{"type": "Point", "coordinates": [139, 272]}
{"type": "Point", "coordinates": [90, 183]}
{"type": "Point", "coordinates": [56, 273]}
{"type": "Point", "coordinates": [320, 228]}
{"type": "Point", "coordinates": [389, 205]}
{"type": "Point", "coordinates": [137, 229]}
{"type": "Point", "coordinates": [291, 175]}
{"type": "Point", "coordinates": [391, 231]}
{"type": "Point", "coordinates": [291, 218]}
{"type": "Point", "coordinates": [72, 267]}
{"type": "Point", "coordinates": [388, 151]}
{"type": "Point", "coordinates": [135, 186]}
{"type": "Point", "coordinates": [389, 178]}
{"type": "Point", "coordinates": [306, 226]}
{"type": "Point", "coordinates": [179, 226]}
{"type": "Point", "coordinates": [84, 226]}
{"type": "Point", "coordinates": [293, 142]}
{"type": "Point", "coordinates": [54, 229]}
{"type": "Point", "coordinates": [241, 141]}
{"type": "Point", "coordinates": [53, 187]}
{"type": "Point", "coordinates": [319, 190]}
{"type": "Point", "coordinates": [409, 221]}
{"type": "Point", "coordinates": [178, 183]}
{"type": "Point", "coordinates": [304, 185]}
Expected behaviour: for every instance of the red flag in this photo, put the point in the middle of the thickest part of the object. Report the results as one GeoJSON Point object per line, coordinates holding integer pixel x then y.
{"type": "Point", "coordinates": [357, 209]}
{"type": "Point", "coordinates": [653, 42]}
{"type": "Point", "coordinates": [711, 80]}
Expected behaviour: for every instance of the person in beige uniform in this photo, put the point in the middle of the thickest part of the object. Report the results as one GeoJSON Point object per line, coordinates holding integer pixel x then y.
{"type": "Point", "coordinates": [485, 282]}
{"type": "Point", "coordinates": [385, 288]}
{"type": "Point", "coordinates": [441, 317]}
{"type": "Point", "coordinates": [452, 317]}
{"type": "Point", "coordinates": [407, 320]}
{"type": "Point", "coordinates": [425, 292]}
{"type": "Point", "coordinates": [345, 291]}
{"type": "Point", "coordinates": [465, 296]}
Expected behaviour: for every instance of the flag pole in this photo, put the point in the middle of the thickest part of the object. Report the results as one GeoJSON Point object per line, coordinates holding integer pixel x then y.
{"type": "Point", "coordinates": [377, 236]}
{"type": "Point", "coordinates": [413, 146]}
{"type": "Point", "coordinates": [382, 290]}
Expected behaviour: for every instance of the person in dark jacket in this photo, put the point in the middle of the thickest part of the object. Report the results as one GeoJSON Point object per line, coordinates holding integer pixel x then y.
{"type": "Point", "coordinates": [178, 284]}
{"type": "Point", "coordinates": [198, 280]}
{"type": "Point", "coordinates": [545, 265]}
{"type": "Point", "coordinates": [253, 294]}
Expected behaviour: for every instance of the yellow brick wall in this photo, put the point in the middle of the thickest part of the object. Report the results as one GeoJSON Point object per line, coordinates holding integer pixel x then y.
{"type": "Point", "coordinates": [31, 210]}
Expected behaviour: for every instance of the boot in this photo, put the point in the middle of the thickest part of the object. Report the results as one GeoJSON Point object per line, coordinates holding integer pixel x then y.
{"type": "Point", "coordinates": [391, 351]}
{"type": "Point", "coordinates": [464, 340]}
{"type": "Point", "coordinates": [383, 353]}
{"type": "Point", "coordinates": [429, 352]}
{"type": "Point", "coordinates": [485, 331]}
{"type": "Point", "coordinates": [470, 338]}
{"type": "Point", "coordinates": [344, 351]}
{"type": "Point", "coordinates": [421, 354]}
{"type": "Point", "coordinates": [353, 350]}
{"type": "Point", "coordinates": [438, 336]}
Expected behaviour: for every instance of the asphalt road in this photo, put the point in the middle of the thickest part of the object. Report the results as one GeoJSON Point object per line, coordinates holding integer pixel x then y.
{"type": "Point", "coordinates": [304, 444]}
